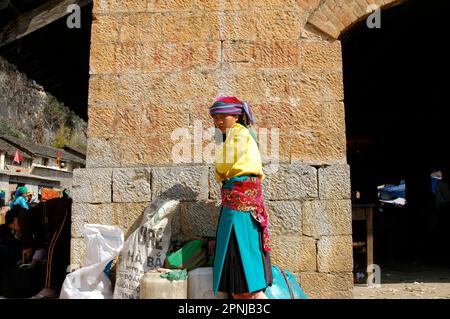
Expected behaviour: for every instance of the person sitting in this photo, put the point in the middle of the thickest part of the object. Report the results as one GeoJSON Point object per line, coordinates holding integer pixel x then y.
{"type": "Point", "coordinates": [46, 228]}
{"type": "Point", "coordinates": [10, 255]}
{"type": "Point", "coordinates": [25, 228]}
{"type": "Point", "coordinates": [22, 272]}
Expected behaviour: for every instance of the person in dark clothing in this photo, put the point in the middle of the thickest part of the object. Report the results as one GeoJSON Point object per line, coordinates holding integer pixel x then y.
{"type": "Point", "coordinates": [45, 227]}
{"type": "Point", "coordinates": [443, 193]}
{"type": "Point", "coordinates": [10, 254]}
{"type": "Point", "coordinates": [442, 200]}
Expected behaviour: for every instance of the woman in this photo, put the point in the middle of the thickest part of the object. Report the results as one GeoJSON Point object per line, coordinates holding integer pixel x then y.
{"type": "Point", "coordinates": [22, 198]}
{"type": "Point", "coordinates": [242, 259]}
{"type": "Point", "coordinates": [45, 227]}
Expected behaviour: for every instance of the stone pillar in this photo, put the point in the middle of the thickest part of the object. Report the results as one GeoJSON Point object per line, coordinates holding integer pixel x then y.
{"type": "Point", "coordinates": [327, 219]}
{"type": "Point", "coordinates": [157, 66]}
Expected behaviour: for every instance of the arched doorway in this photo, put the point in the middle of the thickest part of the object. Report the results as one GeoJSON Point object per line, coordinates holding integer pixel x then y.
{"type": "Point", "coordinates": [396, 128]}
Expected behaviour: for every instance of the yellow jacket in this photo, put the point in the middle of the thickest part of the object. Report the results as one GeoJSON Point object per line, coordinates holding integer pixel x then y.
{"type": "Point", "coordinates": [238, 156]}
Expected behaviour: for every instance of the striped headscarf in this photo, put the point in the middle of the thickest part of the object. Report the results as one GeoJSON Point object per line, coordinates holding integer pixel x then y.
{"type": "Point", "coordinates": [232, 105]}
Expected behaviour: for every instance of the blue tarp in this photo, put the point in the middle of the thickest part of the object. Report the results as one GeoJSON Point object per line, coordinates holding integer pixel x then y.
{"type": "Point", "coordinates": [391, 191]}
{"type": "Point", "coordinates": [434, 183]}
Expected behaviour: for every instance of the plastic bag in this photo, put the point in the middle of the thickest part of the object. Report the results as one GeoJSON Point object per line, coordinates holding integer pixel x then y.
{"type": "Point", "coordinates": [180, 274]}
{"type": "Point", "coordinates": [103, 244]}
{"type": "Point", "coordinates": [190, 256]}
{"type": "Point", "coordinates": [146, 248]}
{"type": "Point", "coordinates": [284, 286]}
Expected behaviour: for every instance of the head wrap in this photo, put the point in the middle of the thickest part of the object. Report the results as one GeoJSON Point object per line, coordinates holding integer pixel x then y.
{"type": "Point", "coordinates": [22, 190]}
{"type": "Point", "coordinates": [232, 105]}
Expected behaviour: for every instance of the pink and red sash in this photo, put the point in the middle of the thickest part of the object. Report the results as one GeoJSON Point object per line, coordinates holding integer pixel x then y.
{"type": "Point", "coordinates": [246, 196]}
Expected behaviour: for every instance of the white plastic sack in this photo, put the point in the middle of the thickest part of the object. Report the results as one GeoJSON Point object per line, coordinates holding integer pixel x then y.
{"type": "Point", "coordinates": [146, 248]}
{"type": "Point", "coordinates": [103, 244]}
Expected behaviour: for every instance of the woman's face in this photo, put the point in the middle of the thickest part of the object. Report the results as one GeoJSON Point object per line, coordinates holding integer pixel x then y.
{"type": "Point", "coordinates": [224, 121]}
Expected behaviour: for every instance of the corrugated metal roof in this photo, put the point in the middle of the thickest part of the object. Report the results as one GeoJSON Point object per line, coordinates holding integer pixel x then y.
{"type": "Point", "coordinates": [11, 149]}
{"type": "Point", "coordinates": [75, 151]}
{"type": "Point", "coordinates": [27, 175]}
{"type": "Point", "coordinates": [42, 150]}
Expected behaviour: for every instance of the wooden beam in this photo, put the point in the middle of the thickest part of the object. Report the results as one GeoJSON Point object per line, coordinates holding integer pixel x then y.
{"type": "Point", "coordinates": [36, 19]}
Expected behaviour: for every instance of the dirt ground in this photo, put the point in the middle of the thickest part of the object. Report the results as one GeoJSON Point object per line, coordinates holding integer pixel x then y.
{"type": "Point", "coordinates": [411, 281]}
{"type": "Point", "coordinates": [407, 281]}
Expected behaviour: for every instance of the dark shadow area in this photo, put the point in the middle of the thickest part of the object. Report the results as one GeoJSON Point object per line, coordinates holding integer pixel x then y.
{"type": "Point", "coordinates": [397, 127]}
{"type": "Point", "coordinates": [55, 56]}
{"type": "Point", "coordinates": [414, 272]}
{"type": "Point", "coordinates": [45, 229]}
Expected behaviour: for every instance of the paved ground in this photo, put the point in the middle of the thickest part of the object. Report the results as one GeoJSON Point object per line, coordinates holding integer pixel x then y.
{"type": "Point", "coordinates": [408, 282]}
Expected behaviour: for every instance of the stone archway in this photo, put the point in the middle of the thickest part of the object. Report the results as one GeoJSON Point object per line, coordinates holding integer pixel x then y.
{"type": "Point", "coordinates": [334, 17]}
{"type": "Point", "coordinates": [155, 66]}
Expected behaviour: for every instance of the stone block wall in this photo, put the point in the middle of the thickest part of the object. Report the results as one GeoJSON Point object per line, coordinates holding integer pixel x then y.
{"type": "Point", "coordinates": [155, 68]}
{"type": "Point", "coordinates": [310, 225]}
{"type": "Point", "coordinates": [157, 65]}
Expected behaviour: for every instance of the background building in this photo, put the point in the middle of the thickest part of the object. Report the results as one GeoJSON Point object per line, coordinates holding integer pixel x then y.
{"type": "Point", "coordinates": [42, 166]}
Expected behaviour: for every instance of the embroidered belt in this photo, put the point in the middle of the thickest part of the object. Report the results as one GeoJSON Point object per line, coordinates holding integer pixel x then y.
{"type": "Point", "coordinates": [246, 196]}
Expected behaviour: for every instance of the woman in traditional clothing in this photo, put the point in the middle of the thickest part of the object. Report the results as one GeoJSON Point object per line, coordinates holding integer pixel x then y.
{"type": "Point", "coordinates": [242, 255]}
{"type": "Point", "coordinates": [45, 229]}
{"type": "Point", "coordinates": [22, 198]}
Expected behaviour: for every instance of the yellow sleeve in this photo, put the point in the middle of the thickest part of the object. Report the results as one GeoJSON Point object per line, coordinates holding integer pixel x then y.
{"type": "Point", "coordinates": [219, 178]}
{"type": "Point", "coordinates": [238, 156]}
{"type": "Point", "coordinates": [249, 159]}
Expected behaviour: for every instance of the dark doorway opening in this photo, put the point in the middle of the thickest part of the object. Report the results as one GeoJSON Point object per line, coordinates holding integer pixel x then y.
{"type": "Point", "coordinates": [396, 97]}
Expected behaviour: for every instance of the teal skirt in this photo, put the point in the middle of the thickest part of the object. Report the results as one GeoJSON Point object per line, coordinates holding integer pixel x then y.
{"type": "Point", "coordinates": [246, 243]}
